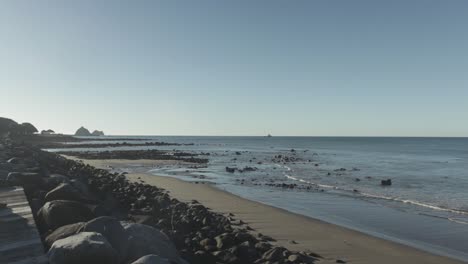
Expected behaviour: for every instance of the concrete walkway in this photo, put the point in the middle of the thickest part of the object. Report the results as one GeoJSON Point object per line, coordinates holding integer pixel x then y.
{"type": "Point", "coordinates": [19, 239]}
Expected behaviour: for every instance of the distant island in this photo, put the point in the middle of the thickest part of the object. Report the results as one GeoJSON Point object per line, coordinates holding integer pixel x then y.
{"type": "Point", "coordinates": [84, 132]}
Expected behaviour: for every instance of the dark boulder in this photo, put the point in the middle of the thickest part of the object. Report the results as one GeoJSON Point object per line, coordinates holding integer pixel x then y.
{"type": "Point", "coordinates": [274, 254]}
{"type": "Point", "coordinates": [146, 240]}
{"type": "Point", "coordinates": [54, 180]}
{"type": "Point", "coordinates": [81, 187]}
{"type": "Point", "coordinates": [201, 257]}
{"type": "Point", "coordinates": [14, 161]}
{"type": "Point", "coordinates": [55, 214]}
{"type": "Point", "coordinates": [112, 230]}
{"type": "Point", "coordinates": [151, 259]}
{"type": "Point", "coordinates": [386, 182]}
{"type": "Point", "coordinates": [24, 178]}
{"type": "Point", "coordinates": [65, 191]}
{"type": "Point", "coordinates": [207, 242]}
{"type": "Point", "coordinates": [231, 170]}
{"type": "Point", "coordinates": [226, 257]}
{"type": "Point", "coordinates": [85, 247]}
{"type": "Point", "coordinates": [63, 232]}
{"type": "Point", "coordinates": [246, 251]}
{"type": "Point", "coordinates": [297, 258]}
{"type": "Point", "coordinates": [263, 246]}
{"type": "Point", "coordinates": [224, 240]}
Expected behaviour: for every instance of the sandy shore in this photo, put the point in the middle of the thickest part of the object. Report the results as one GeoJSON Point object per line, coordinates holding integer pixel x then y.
{"type": "Point", "coordinates": [330, 241]}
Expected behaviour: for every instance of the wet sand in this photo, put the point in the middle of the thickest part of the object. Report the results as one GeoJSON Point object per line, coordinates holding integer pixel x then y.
{"type": "Point", "coordinates": [330, 241]}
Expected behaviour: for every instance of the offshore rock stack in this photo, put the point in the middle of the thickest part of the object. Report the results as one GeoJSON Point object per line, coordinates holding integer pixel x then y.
{"type": "Point", "coordinates": [89, 215]}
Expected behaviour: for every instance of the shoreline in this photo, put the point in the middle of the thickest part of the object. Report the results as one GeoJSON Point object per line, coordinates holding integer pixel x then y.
{"type": "Point", "coordinates": [309, 234]}
{"type": "Point", "coordinates": [90, 213]}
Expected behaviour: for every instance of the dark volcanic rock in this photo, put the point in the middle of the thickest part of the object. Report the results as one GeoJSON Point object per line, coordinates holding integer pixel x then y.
{"type": "Point", "coordinates": [58, 213]}
{"type": "Point", "coordinates": [14, 161]}
{"type": "Point", "coordinates": [231, 170]}
{"type": "Point", "coordinates": [224, 240]}
{"type": "Point", "coordinates": [24, 178]}
{"type": "Point", "coordinates": [246, 251]}
{"type": "Point", "coordinates": [151, 259]}
{"type": "Point", "coordinates": [146, 240]}
{"type": "Point", "coordinates": [112, 230]}
{"type": "Point", "coordinates": [386, 182]}
{"type": "Point", "coordinates": [274, 254]}
{"type": "Point", "coordinates": [263, 246]}
{"type": "Point", "coordinates": [55, 179]}
{"type": "Point", "coordinates": [63, 232]}
{"type": "Point", "coordinates": [65, 191]}
{"type": "Point", "coordinates": [226, 257]}
{"type": "Point", "coordinates": [85, 247]}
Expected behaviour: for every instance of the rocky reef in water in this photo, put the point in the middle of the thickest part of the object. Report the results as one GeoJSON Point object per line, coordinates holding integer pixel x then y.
{"type": "Point", "coordinates": [152, 154]}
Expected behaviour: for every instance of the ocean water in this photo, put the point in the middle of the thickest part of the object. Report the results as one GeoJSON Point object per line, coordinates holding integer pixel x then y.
{"type": "Point", "coordinates": [425, 207]}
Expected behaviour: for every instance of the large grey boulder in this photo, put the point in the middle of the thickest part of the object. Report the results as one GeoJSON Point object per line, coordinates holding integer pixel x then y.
{"type": "Point", "coordinates": [112, 230]}
{"type": "Point", "coordinates": [81, 187]}
{"type": "Point", "coordinates": [63, 232]}
{"type": "Point", "coordinates": [146, 240]}
{"type": "Point", "coordinates": [55, 179]}
{"type": "Point", "coordinates": [64, 191]}
{"type": "Point", "coordinates": [24, 178]}
{"type": "Point", "coordinates": [151, 259]}
{"type": "Point", "coordinates": [55, 214]}
{"type": "Point", "coordinates": [3, 173]}
{"type": "Point", "coordinates": [14, 160]}
{"type": "Point", "coordinates": [85, 247]}
{"type": "Point", "coordinates": [274, 254]}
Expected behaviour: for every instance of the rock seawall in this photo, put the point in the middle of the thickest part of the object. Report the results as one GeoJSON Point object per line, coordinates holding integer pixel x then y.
{"type": "Point", "coordinates": [101, 217]}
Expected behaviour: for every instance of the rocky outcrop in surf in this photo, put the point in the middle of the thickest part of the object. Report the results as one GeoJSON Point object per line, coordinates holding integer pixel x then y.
{"type": "Point", "coordinates": [97, 133]}
{"type": "Point", "coordinates": [84, 132]}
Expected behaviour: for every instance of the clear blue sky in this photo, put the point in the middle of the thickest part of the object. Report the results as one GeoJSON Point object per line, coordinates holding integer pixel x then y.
{"type": "Point", "coordinates": [358, 68]}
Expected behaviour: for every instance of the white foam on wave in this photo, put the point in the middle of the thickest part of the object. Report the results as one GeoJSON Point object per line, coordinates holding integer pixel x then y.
{"type": "Point", "coordinates": [311, 183]}
{"type": "Point", "coordinates": [381, 197]}
{"type": "Point", "coordinates": [412, 202]}
{"type": "Point", "coordinates": [304, 181]}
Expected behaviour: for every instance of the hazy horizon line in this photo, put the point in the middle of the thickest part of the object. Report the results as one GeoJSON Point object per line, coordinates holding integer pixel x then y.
{"type": "Point", "coordinates": [150, 135]}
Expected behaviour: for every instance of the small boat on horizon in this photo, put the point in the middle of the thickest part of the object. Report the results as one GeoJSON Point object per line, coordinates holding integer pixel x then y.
{"type": "Point", "coordinates": [269, 135]}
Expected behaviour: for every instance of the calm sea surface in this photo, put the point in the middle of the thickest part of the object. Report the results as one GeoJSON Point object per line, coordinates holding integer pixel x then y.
{"type": "Point", "coordinates": [426, 206]}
